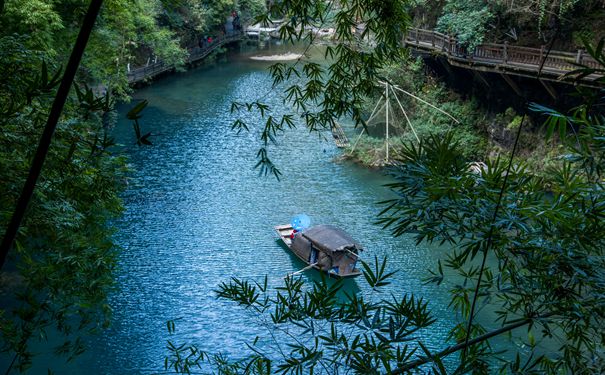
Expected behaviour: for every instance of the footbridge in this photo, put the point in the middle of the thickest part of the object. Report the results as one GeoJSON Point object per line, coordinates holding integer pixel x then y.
{"type": "Point", "coordinates": [150, 71]}
{"type": "Point", "coordinates": [504, 58]}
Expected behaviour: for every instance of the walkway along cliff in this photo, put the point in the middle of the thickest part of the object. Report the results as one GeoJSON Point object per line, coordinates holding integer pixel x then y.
{"type": "Point", "coordinates": [504, 59]}
{"type": "Point", "coordinates": [150, 71]}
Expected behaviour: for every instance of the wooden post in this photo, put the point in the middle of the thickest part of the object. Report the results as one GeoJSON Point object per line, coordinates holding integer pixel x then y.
{"type": "Point", "coordinates": [445, 64]}
{"type": "Point", "coordinates": [579, 57]}
{"type": "Point", "coordinates": [505, 51]}
{"type": "Point", "coordinates": [433, 39]}
{"type": "Point", "coordinates": [512, 84]}
{"type": "Point", "coordinates": [481, 79]}
{"type": "Point", "coordinates": [551, 91]}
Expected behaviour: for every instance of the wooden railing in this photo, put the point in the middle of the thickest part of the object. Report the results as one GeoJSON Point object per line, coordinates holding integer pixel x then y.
{"type": "Point", "coordinates": [195, 54]}
{"type": "Point", "coordinates": [500, 56]}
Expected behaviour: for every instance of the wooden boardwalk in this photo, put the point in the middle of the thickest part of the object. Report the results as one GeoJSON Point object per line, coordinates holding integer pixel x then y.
{"type": "Point", "coordinates": [195, 54]}
{"type": "Point", "coordinates": [489, 57]}
{"type": "Point", "coordinates": [503, 58]}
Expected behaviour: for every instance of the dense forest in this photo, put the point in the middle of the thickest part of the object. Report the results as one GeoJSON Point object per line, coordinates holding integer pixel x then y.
{"type": "Point", "coordinates": [523, 231]}
{"type": "Point", "coordinates": [60, 268]}
{"type": "Point", "coordinates": [527, 23]}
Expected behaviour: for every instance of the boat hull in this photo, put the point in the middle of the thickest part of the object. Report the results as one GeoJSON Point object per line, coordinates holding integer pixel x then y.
{"type": "Point", "coordinates": [285, 231]}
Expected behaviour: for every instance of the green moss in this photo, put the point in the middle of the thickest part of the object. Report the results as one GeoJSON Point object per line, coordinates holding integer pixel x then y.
{"type": "Point", "coordinates": [515, 123]}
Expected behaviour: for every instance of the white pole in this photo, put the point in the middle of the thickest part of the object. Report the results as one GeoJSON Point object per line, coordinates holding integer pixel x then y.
{"type": "Point", "coordinates": [357, 141]}
{"type": "Point", "coordinates": [386, 89]}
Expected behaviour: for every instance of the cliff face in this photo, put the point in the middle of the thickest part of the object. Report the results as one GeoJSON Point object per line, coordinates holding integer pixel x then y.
{"type": "Point", "coordinates": [530, 23]}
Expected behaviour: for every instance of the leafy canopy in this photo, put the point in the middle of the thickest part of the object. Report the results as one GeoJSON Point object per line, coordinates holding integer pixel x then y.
{"type": "Point", "coordinates": [59, 273]}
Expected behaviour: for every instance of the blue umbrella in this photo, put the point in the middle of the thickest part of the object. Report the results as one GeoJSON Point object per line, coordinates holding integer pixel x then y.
{"type": "Point", "coordinates": [300, 222]}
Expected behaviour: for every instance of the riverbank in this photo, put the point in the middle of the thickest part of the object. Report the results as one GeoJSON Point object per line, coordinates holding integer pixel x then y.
{"type": "Point", "coordinates": [481, 132]}
{"type": "Point", "coordinates": [283, 57]}
{"type": "Point", "coordinates": [535, 151]}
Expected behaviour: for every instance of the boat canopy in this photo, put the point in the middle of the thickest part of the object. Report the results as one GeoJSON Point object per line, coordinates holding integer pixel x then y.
{"type": "Point", "coordinates": [330, 238]}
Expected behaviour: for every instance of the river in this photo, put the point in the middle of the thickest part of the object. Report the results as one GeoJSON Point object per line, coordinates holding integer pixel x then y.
{"type": "Point", "coordinates": [197, 213]}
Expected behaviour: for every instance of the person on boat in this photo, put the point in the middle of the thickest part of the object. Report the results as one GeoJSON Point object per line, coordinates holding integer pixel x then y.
{"type": "Point", "coordinates": [294, 231]}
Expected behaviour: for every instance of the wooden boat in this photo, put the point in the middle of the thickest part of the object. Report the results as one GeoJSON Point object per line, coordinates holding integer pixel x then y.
{"type": "Point", "coordinates": [323, 247]}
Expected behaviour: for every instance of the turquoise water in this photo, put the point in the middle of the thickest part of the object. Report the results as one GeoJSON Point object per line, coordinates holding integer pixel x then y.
{"type": "Point", "coordinates": [197, 213]}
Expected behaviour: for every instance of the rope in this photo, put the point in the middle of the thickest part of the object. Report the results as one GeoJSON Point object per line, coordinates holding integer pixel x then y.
{"type": "Point", "coordinates": [301, 271]}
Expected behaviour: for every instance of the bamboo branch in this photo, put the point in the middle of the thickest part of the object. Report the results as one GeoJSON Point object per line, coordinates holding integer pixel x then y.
{"type": "Point", "coordinates": [49, 129]}
{"type": "Point", "coordinates": [463, 345]}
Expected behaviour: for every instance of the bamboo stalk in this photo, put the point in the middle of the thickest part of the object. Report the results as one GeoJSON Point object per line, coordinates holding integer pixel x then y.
{"type": "Point", "coordinates": [452, 349]}
{"type": "Point", "coordinates": [49, 129]}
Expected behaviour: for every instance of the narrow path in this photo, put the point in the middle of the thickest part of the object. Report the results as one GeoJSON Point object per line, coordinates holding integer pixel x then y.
{"type": "Point", "coordinates": [490, 57]}
{"type": "Point", "coordinates": [503, 58]}
{"type": "Point", "coordinates": [195, 54]}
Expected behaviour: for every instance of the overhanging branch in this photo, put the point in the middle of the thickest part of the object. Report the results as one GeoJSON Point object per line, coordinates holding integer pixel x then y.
{"type": "Point", "coordinates": [463, 345]}
{"type": "Point", "coordinates": [49, 129]}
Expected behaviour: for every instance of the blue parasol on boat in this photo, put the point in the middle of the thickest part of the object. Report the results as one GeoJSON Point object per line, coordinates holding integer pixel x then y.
{"type": "Point", "coordinates": [300, 222]}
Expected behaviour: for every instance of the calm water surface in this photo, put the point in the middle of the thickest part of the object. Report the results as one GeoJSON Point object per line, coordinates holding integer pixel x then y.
{"type": "Point", "coordinates": [197, 213]}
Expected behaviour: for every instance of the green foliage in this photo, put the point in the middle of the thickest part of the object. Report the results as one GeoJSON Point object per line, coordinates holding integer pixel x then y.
{"type": "Point", "coordinates": [318, 329]}
{"type": "Point", "coordinates": [524, 22]}
{"type": "Point", "coordinates": [250, 9]}
{"type": "Point", "coordinates": [560, 8]}
{"type": "Point", "coordinates": [322, 93]}
{"type": "Point", "coordinates": [126, 32]}
{"type": "Point", "coordinates": [425, 120]}
{"type": "Point", "coordinates": [192, 19]}
{"type": "Point", "coordinates": [466, 20]}
{"type": "Point", "coordinates": [547, 249]}
{"type": "Point", "coordinates": [63, 257]}
{"type": "Point", "coordinates": [38, 18]}
{"type": "Point", "coordinates": [509, 119]}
